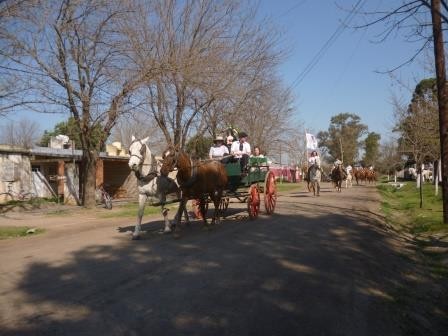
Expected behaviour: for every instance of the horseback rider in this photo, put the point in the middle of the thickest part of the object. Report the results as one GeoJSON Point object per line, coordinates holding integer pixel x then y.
{"type": "Point", "coordinates": [337, 163]}
{"type": "Point", "coordinates": [314, 159]}
{"type": "Point", "coordinates": [348, 169]}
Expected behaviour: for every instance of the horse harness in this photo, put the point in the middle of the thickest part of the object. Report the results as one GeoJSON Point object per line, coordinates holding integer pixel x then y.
{"type": "Point", "coordinates": [152, 174]}
{"type": "Point", "coordinates": [193, 176]}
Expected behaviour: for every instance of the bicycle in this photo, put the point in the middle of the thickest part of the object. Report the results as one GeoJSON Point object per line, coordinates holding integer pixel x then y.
{"type": "Point", "coordinates": [22, 195]}
{"type": "Point", "coordinates": [103, 197]}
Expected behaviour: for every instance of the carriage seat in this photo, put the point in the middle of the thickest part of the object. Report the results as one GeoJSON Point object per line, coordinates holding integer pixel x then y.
{"type": "Point", "coordinates": [258, 161]}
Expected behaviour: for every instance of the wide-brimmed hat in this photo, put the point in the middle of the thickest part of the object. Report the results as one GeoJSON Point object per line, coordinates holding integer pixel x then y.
{"type": "Point", "coordinates": [242, 135]}
{"type": "Point", "coordinates": [219, 138]}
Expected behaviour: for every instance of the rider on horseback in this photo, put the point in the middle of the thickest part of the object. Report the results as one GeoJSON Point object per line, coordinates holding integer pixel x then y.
{"type": "Point", "coordinates": [314, 159]}
{"type": "Point", "coordinates": [335, 165]}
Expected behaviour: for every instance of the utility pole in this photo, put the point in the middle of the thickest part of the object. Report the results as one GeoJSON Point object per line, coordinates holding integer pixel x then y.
{"type": "Point", "coordinates": [439, 56]}
{"type": "Point", "coordinates": [342, 152]}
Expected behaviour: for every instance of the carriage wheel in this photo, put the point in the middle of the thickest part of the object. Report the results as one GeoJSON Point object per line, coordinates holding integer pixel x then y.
{"type": "Point", "coordinates": [224, 204]}
{"type": "Point", "coordinates": [270, 193]}
{"type": "Point", "coordinates": [253, 202]}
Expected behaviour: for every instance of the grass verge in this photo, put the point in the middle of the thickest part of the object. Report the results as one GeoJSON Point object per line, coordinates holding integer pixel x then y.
{"type": "Point", "coordinates": [402, 208]}
{"type": "Point", "coordinates": [131, 209]}
{"type": "Point", "coordinates": [286, 186]}
{"type": "Point", "coordinates": [14, 231]}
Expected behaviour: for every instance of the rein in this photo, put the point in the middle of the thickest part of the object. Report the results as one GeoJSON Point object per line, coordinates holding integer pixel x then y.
{"type": "Point", "coordinates": [193, 174]}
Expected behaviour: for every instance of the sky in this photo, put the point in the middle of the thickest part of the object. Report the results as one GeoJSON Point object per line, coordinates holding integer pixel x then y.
{"type": "Point", "coordinates": [345, 77]}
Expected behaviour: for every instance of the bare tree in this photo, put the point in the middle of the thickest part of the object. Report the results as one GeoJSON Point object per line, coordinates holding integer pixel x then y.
{"type": "Point", "coordinates": [140, 126]}
{"type": "Point", "coordinates": [423, 21]}
{"type": "Point", "coordinates": [212, 55]}
{"type": "Point", "coordinates": [23, 133]}
{"type": "Point", "coordinates": [70, 54]}
{"type": "Point", "coordinates": [389, 160]}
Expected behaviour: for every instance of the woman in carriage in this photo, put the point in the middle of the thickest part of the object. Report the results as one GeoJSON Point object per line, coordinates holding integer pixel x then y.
{"type": "Point", "coordinates": [218, 151]}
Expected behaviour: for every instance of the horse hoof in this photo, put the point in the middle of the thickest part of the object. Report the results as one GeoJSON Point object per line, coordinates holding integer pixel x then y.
{"type": "Point", "coordinates": [162, 231]}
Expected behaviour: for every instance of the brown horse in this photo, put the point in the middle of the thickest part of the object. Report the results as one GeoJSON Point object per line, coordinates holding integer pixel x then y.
{"type": "Point", "coordinates": [197, 180]}
{"type": "Point", "coordinates": [370, 176]}
{"type": "Point", "coordinates": [359, 174]}
{"type": "Point", "coordinates": [338, 175]}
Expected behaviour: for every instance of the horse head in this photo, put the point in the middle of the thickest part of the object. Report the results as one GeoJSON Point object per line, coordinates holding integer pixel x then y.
{"type": "Point", "coordinates": [138, 151]}
{"type": "Point", "coordinates": [169, 160]}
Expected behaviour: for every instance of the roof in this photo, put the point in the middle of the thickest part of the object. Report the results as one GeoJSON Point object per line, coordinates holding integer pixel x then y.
{"type": "Point", "coordinates": [54, 152]}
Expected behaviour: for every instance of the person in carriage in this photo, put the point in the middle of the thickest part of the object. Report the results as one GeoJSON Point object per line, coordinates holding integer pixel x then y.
{"type": "Point", "coordinates": [219, 151]}
{"type": "Point", "coordinates": [241, 151]}
{"type": "Point", "coordinates": [257, 153]}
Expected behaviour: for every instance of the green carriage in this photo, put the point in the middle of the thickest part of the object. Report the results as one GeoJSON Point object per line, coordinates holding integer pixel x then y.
{"type": "Point", "coordinates": [249, 187]}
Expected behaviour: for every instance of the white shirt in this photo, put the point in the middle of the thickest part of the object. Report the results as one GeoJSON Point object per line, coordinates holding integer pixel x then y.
{"type": "Point", "coordinates": [218, 151]}
{"type": "Point", "coordinates": [235, 149]}
{"type": "Point", "coordinates": [314, 160]}
{"type": "Point", "coordinates": [349, 169]}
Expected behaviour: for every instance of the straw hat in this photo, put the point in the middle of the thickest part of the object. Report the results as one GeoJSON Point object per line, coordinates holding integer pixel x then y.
{"type": "Point", "coordinates": [218, 138]}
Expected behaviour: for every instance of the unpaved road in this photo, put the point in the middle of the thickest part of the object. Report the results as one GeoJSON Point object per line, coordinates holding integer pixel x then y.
{"type": "Point", "coordinates": [319, 266]}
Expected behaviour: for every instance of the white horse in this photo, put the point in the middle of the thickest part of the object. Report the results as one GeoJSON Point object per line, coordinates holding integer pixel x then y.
{"type": "Point", "coordinates": [427, 175]}
{"type": "Point", "coordinates": [349, 180]}
{"type": "Point", "coordinates": [150, 183]}
{"type": "Point", "coordinates": [315, 177]}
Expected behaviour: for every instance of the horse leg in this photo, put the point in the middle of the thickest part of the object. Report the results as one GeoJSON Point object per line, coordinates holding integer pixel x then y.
{"type": "Point", "coordinates": [141, 208]}
{"type": "Point", "coordinates": [203, 209]}
{"type": "Point", "coordinates": [182, 208]}
{"type": "Point", "coordinates": [167, 228]}
{"type": "Point", "coordinates": [318, 188]}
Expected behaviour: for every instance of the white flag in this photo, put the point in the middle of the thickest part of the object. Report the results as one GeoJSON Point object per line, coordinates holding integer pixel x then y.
{"type": "Point", "coordinates": [311, 141]}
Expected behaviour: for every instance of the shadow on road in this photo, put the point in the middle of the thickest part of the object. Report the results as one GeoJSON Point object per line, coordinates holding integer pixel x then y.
{"type": "Point", "coordinates": [328, 274]}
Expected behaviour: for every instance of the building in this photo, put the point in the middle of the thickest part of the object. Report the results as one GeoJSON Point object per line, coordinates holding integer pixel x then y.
{"type": "Point", "coordinates": [54, 172]}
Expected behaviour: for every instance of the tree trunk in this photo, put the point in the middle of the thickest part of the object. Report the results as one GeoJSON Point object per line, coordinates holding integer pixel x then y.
{"type": "Point", "coordinates": [89, 178]}
{"type": "Point", "coordinates": [439, 56]}
{"type": "Point", "coordinates": [421, 187]}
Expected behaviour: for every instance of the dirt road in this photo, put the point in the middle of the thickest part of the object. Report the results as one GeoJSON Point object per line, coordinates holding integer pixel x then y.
{"type": "Point", "coordinates": [319, 266]}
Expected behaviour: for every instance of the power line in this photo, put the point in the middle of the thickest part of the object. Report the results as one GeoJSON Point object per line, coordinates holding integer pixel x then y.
{"type": "Point", "coordinates": [301, 76]}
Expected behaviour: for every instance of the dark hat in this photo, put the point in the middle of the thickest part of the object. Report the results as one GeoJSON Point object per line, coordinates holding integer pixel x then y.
{"type": "Point", "coordinates": [242, 135]}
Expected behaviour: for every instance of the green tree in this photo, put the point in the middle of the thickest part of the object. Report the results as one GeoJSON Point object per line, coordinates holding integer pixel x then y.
{"type": "Point", "coordinates": [417, 124]}
{"type": "Point", "coordinates": [342, 140]}
{"type": "Point", "coordinates": [71, 129]}
{"type": "Point", "coordinates": [371, 148]}
{"type": "Point", "coordinates": [199, 146]}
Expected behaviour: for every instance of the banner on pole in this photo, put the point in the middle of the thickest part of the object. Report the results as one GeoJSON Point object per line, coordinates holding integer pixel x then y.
{"type": "Point", "coordinates": [311, 141]}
